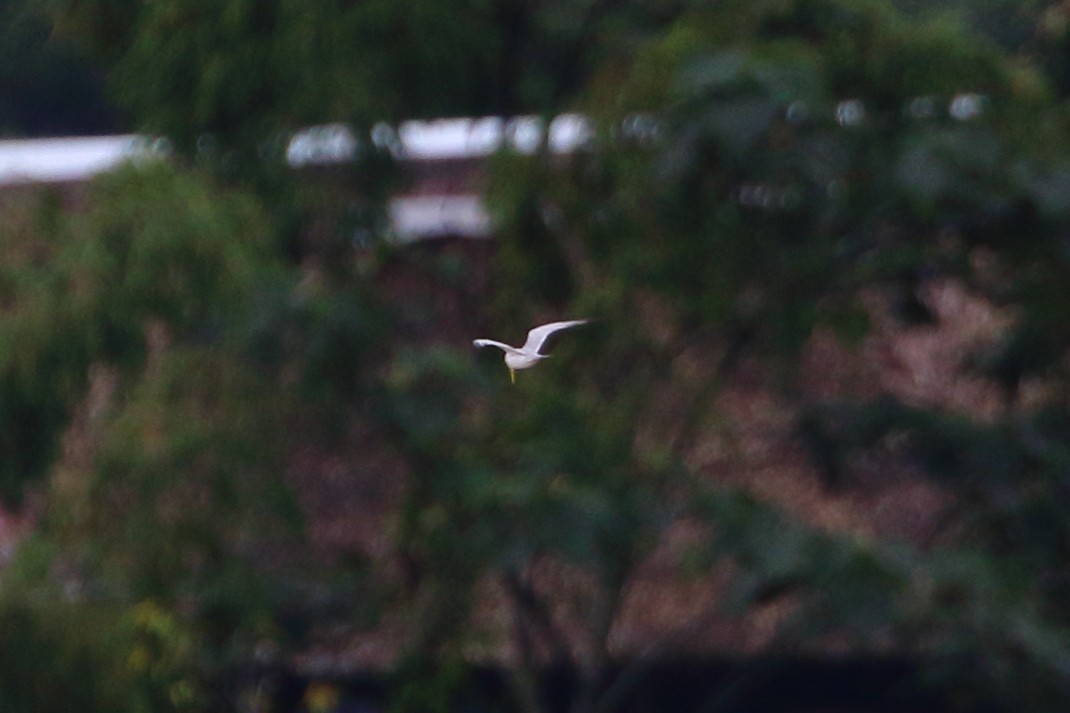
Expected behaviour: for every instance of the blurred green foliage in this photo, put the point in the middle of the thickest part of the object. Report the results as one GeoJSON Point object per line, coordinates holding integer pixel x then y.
{"type": "Point", "coordinates": [244, 72]}
{"type": "Point", "coordinates": [156, 254]}
{"type": "Point", "coordinates": [762, 168]}
{"type": "Point", "coordinates": [135, 338]}
{"type": "Point", "coordinates": [757, 169]}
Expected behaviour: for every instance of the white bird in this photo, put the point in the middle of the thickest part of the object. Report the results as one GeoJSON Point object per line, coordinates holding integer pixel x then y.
{"type": "Point", "coordinates": [527, 356]}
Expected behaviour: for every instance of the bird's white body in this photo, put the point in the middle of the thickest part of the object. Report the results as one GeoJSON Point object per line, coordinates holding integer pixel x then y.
{"type": "Point", "coordinates": [527, 356]}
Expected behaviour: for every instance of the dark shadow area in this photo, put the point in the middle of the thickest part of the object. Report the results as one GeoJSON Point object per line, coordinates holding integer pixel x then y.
{"type": "Point", "coordinates": [693, 685]}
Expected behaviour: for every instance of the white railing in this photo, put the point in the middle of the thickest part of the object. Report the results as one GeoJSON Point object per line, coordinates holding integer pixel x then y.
{"type": "Point", "coordinates": [61, 160]}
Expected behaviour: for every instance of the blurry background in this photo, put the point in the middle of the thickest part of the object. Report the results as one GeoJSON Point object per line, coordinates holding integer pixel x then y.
{"type": "Point", "coordinates": [811, 453]}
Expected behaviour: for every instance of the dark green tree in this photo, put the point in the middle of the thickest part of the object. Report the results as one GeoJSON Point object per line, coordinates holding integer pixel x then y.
{"type": "Point", "coordinates": [764, 167]}
{"type": "Point", "coordinates": [243, 72]}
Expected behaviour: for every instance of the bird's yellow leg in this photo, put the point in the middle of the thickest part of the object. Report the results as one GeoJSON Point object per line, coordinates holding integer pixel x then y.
{"type": "Point", "coordinates": [512, 375]}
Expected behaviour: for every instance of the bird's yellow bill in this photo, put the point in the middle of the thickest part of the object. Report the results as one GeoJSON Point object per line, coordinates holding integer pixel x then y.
{"type": "Point", "coordinates": [512, 375]}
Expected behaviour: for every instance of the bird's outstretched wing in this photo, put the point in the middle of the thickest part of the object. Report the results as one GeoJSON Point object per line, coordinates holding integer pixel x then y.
{"type": "Point", "coordinates": [491, 343]}
{"type": "Point", "coordinates": [538, 335]}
